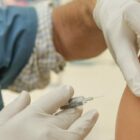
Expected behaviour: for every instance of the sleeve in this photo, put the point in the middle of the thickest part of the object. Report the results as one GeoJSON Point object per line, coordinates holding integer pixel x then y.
{"type": "Point", "coordinates": [18, 27]}
{"type": "Point", "coordinates": [36, 74]}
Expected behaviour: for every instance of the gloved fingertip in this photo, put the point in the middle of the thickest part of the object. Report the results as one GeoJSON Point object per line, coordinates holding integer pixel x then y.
{"type": "Point", "coordinates": [133, 82]}
{"type": "Point", "coordinates": [93, 115]}
{"type": "Point", "coordinates": [135, 89]}
{"type": "Point", "coordinates": [24, 92]}
{"type": "Point", "coordinates": [90, 120]}
{"type": "Point", "coordinates": [25, 97]}
{"type": "Point", "coordinates": [84, 124]}
{"type": "Point", "coordinates": [136, 92]}
{"type": "Point", "coordinates": [69, 89]}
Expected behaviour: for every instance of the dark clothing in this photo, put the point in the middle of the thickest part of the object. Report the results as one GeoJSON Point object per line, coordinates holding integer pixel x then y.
{"type": "Point", "coordinates": [18, 27]}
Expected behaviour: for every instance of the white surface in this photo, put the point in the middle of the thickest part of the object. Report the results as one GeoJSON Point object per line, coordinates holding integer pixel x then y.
{"type": "Point", "coordinates": [101, 78]}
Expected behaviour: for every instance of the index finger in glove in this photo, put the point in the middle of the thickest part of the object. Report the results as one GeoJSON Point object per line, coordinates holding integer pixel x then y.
{"type": "Point", "coordinates": [53, 100]}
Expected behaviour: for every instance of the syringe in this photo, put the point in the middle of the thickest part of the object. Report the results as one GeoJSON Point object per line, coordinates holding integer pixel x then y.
{"type": "Point", "coordinates": [78, 101]}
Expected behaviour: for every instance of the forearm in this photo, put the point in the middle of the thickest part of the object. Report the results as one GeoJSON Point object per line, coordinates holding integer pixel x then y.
{"type": "Point", "coordinates": [128, 121]}
{"type": "Point", "coordinates": [74, 26]}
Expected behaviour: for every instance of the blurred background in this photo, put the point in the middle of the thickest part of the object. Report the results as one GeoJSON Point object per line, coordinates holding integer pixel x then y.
{"type": "Point", "coordinates": [90, 78]}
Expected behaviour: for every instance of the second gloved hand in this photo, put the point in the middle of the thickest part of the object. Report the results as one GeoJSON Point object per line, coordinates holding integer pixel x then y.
{"type": "Point", "coordinates": [120, 39]}
{"type": "Point", "coordinates": [39, 121]}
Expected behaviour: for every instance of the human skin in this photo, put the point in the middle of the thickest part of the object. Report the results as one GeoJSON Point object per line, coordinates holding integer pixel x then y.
{"type": "Point", "coordinates": [76, 36]}
{"type": "Point", "coordinates": [128, 120]}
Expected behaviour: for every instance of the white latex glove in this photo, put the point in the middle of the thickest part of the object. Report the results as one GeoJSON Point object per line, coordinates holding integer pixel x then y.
{"type": "Point", "coordinates": [38, 121]}
{"type": "Point", "coordinates": [120, 39]}
{"type": "Point", "coordinates": [132, 18]}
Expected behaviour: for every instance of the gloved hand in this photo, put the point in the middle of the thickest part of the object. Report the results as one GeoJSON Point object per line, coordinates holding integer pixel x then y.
{"type": "Point", "coordinates": [120, 39]}
{"type": "Point", "coordinates": [132, 19]}
{"type": "Point", "coordinates": [39, 121]}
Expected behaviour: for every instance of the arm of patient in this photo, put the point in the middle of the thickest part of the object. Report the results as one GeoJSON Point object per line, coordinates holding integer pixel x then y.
{"type": "Point", "coordinates": [128, 120]}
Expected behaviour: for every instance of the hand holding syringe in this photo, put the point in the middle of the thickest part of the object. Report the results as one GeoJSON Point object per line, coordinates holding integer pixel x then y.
{"type": "Point", "coordinates": [78, 101]}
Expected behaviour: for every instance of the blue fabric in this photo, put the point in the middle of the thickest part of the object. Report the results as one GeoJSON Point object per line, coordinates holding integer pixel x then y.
{"type": "Point", "coordinates": [18, 27]}
{"type": "Point", "coordinates": [1, 101]}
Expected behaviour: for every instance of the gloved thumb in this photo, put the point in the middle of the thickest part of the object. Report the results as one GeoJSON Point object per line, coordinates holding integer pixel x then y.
{"type": "Point", "coordinates": [15, 107]}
